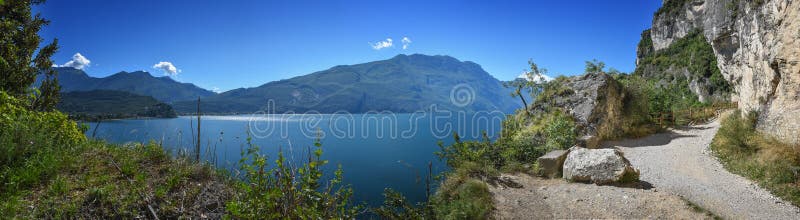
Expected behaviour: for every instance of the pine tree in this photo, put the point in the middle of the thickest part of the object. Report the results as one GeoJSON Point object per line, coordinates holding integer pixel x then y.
{"type": "Point", "coordinates": [20, 61]}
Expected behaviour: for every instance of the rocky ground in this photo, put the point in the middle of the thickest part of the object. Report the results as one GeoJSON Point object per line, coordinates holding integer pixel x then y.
{"type": "Point", "coordinates": [677, 171]}
{"type": "Point", "coordinates": [541, 198]}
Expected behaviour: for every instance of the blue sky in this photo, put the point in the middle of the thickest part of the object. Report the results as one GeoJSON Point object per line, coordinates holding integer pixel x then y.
{"type": "Point", "coordinates": [232, 44]}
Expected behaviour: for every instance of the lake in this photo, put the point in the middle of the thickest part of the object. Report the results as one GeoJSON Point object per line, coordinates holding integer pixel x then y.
{"type": "Point", "coordinates": [376, 151]}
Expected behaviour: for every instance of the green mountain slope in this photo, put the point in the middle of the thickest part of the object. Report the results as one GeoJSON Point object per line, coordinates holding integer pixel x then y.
{"type": "Point", "coordinates": [405, 83]}
{"type": "Point", "coordinates": [106, 104]}
{"type": "Point", "coordinates": [142, 83]}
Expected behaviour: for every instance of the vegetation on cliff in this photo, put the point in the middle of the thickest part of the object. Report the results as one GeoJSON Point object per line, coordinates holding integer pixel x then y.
{"type": "Point", "coordinates": [693, 53]}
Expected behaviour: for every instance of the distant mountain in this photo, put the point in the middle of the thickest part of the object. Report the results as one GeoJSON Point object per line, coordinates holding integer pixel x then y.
{"type": "Point", "coordinates": [105, 104]}
{"type": "Point", "coordinates": [405, 83]}
{"type": "Point", "coordinates": [142, 83]}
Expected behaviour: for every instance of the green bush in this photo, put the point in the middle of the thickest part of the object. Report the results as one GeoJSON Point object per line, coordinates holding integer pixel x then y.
{"type": "Point", "coordinates": [30, 143]}
{"type": "Point", "coordinates": [283, 191]}
{"type": "Point", "coordinates": [560, 132]}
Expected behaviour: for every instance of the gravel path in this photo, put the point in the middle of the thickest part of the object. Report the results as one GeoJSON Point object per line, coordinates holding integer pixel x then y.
{"type": "Point", "coordinates": [541, 198]}
{"type": "Point", "coordinates": [679, 162]}
{"type": "Point", "coordinates": [675, 166]}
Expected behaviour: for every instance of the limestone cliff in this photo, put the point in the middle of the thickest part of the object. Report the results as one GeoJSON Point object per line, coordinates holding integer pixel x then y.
{"type": "Point", "coordinates": [757, 47]}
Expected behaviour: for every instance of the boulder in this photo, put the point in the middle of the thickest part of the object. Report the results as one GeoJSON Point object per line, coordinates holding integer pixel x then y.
{"type": "Point", "coordinates": [550, 164]}
{"type": "Point", "coordinates": [599, 166]}
{"type": "Point", "coordinates": [595, 102]}
{"type": "Point", "coordinates": [588, 141]}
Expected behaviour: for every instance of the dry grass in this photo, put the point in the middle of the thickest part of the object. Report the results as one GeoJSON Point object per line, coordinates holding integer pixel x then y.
{"type": "Point", "coordinates": [745, 151]}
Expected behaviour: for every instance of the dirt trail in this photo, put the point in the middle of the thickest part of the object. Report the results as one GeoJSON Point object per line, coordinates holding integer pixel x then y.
{"type": "Point", "coordinates": [675, 165]}
{"type": "Point", "coordinates": [679, 162]}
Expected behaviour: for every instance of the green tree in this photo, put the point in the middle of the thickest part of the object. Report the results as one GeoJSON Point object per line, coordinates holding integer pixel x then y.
{"type": "Point", "coordinates": [531, 84]}
{"type": "Point", "coordinates": [21, 59]}
{"type": "Point", "coordinates": [595, 66]}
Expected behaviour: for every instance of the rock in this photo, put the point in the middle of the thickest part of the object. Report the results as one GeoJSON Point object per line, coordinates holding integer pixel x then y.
{"type": "Point", "coordinates": [599, 166]}
{"type": "Point", "coordinates": [757, 48]}
{"type": "Point", "coordinates": [550, 164]}
{"type": "Point", "coordinates": [589, 141]}
{"type": "Point", "coordinates": [595, 102]}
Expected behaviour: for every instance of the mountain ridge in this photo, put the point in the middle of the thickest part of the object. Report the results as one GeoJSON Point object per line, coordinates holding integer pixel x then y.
{"type": "Point", "coordinates": [403, 83]}
{"type": "Point", "coordinates": [163, 88]}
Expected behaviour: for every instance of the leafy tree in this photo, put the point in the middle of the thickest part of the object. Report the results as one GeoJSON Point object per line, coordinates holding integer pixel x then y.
{"type": "Point", "coordinates": [531, 84]}
{"type": "Point", "coordinates": [20, 62]}
{"type": "Point", "coordinates": [595, 66]}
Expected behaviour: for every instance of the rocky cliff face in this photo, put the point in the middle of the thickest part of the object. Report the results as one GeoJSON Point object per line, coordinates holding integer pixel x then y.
{"type": "Point", "coordinates": [593, 99]}
{"type": "Point", "coordinates": [757, 46]}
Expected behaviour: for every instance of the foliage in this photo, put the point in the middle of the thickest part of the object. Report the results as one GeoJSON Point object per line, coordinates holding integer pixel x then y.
{"type": "Point", "coordinates": [98, 180]}
{"type": "Point", "coordinates": [560, 132]}
{"type": "Point", "coordinates": [645, 46]}
{"type": "Point", "coordinates": [595, 66]}
{"type": "Point", "coordinates": [745, 151]}
{"type": "Point", "coordinates": [670, 8]}
{"type": "Point", "coordinates": [395, 206]}
{"type": "Point", "coordinates": [692, 52]}
{"type": "Point", "coordinates": [555, 88]}
{"type": "Point", "coordinates": [531, 84]}
{"type": "Point", "coordinates": [462, 197]}
{"type": "Point", "coordinates": [108, 104]}
{"type": "Point", "coordinates": [284, 191]}
{"type": "Point", "coordinates": [19, 67]}
{"type": "Point", "coordinates": [29, 141]}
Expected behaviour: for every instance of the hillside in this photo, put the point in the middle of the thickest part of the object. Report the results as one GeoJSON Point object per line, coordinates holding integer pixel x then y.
{"type": "Point", "coordinates": [96, 104]}
{"type": "Point", "coordinates": [162, 88]}
{"type": "Point", "coordinates": [405, 83]}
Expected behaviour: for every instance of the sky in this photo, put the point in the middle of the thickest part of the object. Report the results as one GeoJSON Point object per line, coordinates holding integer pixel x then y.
{"type": "Point", "coordinates": [223, 45]}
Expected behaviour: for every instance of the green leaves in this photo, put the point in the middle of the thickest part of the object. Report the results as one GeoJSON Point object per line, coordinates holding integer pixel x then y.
{"type": "Point", "coordinates": [18, 66]}
{"type": "Point", "coordinates": [289, 190]}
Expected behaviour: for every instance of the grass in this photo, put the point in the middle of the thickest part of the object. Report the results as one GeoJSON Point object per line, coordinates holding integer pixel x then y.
{"type": "Point", "coordinates": [747, 152]}
{"type": "Point", "coordinates": [101, 180]}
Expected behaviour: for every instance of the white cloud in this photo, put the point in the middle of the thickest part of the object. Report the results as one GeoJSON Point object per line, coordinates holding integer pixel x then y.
{"type": "Point", "coordinates": [382, 44]}
{"type": "Point", "coordinates": [216, 90]}
{"type": "Point", "coordinates": [78, 62]}
{"type": "Point", "coordinates": [406, 41]}
{"type": "Point", "coordinates": [524, 75]}
{"type": "Point", "coordinates": [167, 67]}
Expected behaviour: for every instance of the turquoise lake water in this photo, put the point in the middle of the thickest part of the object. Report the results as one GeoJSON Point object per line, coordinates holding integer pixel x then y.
{"type": "Point", "coordinates": [376, 151]}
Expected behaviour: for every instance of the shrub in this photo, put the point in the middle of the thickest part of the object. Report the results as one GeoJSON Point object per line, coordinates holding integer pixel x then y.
{"type": "Point", "coordinates": [284, 191]}
{"type": "Point", "coordinates": [560, 132]}
{"type": "Point", "coordinates": [30, 142]}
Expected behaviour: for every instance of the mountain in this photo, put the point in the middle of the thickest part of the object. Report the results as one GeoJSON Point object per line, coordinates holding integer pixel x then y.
{"type": "Point", "coordinates": [755, 45]}
{"type": "Point", "coordinates": [405, 83]}
{"type": "Point", "coordinates": [142, 83]}
{"type": "Point", "coordinates": [95, 104]}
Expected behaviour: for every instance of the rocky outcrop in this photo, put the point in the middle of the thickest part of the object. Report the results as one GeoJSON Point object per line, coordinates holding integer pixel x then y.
{"type": "Point", "coordinates": [599, 166]}
{"type": "Point", "coordinates": [757, 47]}
{"type": "Point", "coordinates": [551, 163]}
{"type": "Point", "coordinates": [594, 100]}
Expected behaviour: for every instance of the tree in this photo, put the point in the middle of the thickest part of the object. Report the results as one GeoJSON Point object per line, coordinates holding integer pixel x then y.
{"type": "Point", "coordinates": [531, 84]}
{"type": "Point", "coordinates": [20, 62]}
{"type": "Point", "coordinates": [595, 66]}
